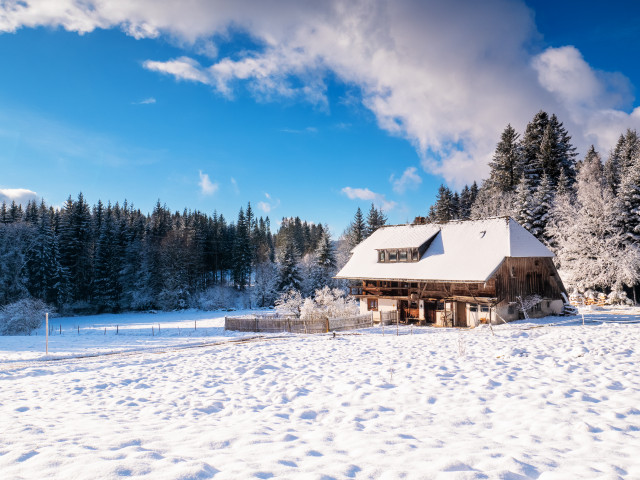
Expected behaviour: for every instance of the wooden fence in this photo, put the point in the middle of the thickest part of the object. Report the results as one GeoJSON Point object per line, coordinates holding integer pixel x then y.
{"type": "Point", "coordinates": [389, 317]}
{"type": "Point", "coordinates": [272, 324]}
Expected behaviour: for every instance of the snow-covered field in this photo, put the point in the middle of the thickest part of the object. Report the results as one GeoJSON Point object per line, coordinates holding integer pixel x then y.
{"type": "Point", "coordinates": [532, 401]}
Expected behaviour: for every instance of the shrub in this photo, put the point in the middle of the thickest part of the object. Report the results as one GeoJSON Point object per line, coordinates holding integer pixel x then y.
{"type": "Point", "coordinates": [22, 317]}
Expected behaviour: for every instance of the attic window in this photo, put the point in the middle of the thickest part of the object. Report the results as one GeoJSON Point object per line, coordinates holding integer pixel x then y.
{"type": "Point", "coordinates": [402, 256]}
{"type": "Point", "coordinates": [483, 233]}
{"type": "Point", "coordinates": [393, 255]}
{"type": "Point", "coordinates": [414, 255]}
{"type": "Point", "coordinates": [381, 256]}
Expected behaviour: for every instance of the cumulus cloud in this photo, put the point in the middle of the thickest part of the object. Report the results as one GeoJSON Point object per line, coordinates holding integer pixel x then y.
{"type": "Point", "coordinates": [409, 179]}
{"type": "Point", "coordinates": [18, 195]}
{"type": "Point", "coordinates": [378, 199]}
{"type": "Point", "coordinates": [207, 187]}
{"type": "Point", "coordinates": [447, 76]}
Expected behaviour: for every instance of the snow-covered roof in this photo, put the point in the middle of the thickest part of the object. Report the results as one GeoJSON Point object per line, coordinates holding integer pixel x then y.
{"type": "Point", "coordinates": [461, 251]}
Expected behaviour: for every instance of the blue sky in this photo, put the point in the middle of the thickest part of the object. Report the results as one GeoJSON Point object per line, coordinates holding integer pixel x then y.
{"type": "Point", "coordinates": [302, 108]}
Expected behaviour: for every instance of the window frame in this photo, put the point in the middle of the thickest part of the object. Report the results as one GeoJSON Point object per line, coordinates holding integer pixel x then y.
{"type": "Point", "coordinates": [372, 304]}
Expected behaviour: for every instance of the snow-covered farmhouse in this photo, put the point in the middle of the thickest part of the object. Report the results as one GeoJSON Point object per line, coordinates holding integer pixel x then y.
{"type": "Point", "coordinates": [460, 273]}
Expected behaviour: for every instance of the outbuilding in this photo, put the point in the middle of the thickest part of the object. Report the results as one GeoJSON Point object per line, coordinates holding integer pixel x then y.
{"type": "Point", "coordinates": [460, 273]}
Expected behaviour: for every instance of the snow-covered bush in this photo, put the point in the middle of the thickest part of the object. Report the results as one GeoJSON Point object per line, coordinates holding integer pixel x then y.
{"type": "Point", "coordinates": [335, 303]}
{"type": "Point", "coordinates": [221, 297]}
{"type": "Point", "coordinates": [328, 302]}
{"type": "Point", "coordinates": [289, 303]}
{"type": "Point", "coordinates": [22, 317]}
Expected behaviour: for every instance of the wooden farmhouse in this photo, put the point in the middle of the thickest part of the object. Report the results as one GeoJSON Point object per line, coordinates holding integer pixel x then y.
{"type": "Point", "coordinates": [460, 273]}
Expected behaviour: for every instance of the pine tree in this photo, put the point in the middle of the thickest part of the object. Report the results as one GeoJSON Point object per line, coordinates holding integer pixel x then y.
{"type": "Point", "coordinates": [76, 241]}
{"type": "Point", "coordinates": [506, 165]}
{"type": "Point", "coordinates": [242, 254]}
{"type": "Point", "coordinates": [523, 203]}
{"type": "Point", "coordinates": [42, 266]}
{"type": "Point", "coordinates": [565, 160]}
{"type": "Point", "coordinates": [531, 141]}
{"type": "Point", "coordinates": [444, 207]}
{"type": "Point", "coordinates": [629, 197]}
{"type": "Point", "coordinates": [375, 220]}
{"type": "Point", "coordinates": [356, 231]}
{"type": "Point", "coordinates": [289, 276]}
{"type": "Point", "coordinates": [325, 266]}
{"type": "Point", "coordinates": [590, 243]}
{"type": "Point", "coordinates": [540, 209]}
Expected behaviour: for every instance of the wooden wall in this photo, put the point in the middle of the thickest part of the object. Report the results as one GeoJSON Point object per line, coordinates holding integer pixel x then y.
{"type": "Point", "coordinates": [528, 276]}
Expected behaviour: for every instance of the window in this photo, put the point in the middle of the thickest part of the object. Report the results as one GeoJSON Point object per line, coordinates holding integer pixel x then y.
{"type": "Point", "coordinates": [381, 256]}
{"type": "Point", "coordinates": [440, 306]}
{"type": "Point", "coordinates": [484, 309]}
{"type": "Point", "coordinates": [372, 304]}
{"type": "Point", "coordinates": [393, 255]}
{"type": "Point", "coordinates": [473, 307]}
{"type": "Point", "coordinates": [414, 255]}
{"type": "Point", "coordinates": [511, 310]}
{"type": "Point", "coordinates": [402, 256]}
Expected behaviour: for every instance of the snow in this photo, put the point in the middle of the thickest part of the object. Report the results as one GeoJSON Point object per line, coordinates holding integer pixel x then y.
{"type": "Point", "coordinates": [462, 251]}
{"type": "Point", "coordinates": [543, 399]}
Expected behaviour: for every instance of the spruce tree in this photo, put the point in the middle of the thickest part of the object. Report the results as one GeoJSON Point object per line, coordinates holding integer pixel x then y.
{"type": "Point", "coordinates": [289, 276]}
{"type": "Point", "coordinates": [540, 208]}
{"type": "Point", "coordinates": [523, 203]}
{"type": "Point", "coordinates": [506, 165]}
{"type": "Point", "coordinates": [444, 208]}
{"type": "Point", "coordinates": [357, 230]}
{"type": "Point", "coordinates": [531, 164]}
{"type": "Point", "coordinates": [242, 254]}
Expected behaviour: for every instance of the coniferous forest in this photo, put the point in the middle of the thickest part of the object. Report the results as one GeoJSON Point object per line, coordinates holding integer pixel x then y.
{"type": "Point", "coordinates": [110, 258]}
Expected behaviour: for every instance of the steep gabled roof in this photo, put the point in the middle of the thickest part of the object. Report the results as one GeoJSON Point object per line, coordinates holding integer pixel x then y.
{"type": "Point", "coordinates": [460, 251]}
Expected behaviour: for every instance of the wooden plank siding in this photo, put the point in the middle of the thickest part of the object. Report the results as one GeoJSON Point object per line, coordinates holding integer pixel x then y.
{"type": "Point", "coordinates": [527, 276]}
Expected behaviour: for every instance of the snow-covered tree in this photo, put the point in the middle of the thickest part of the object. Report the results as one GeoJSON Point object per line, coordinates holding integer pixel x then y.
{"type": "Point", "coordinates": [540, 208]}
{"type": "Point", "coordinates": [266, 280]}
{"type": "Point", "coordinates": [289, 303]}
{"type": "Point", "coordinates": [589, 240]}
{"type": "Point", "coordinates": [357, 230]}
{"type": "Point", "coordinates": [506, 165]}
{"type": "Point", "coordinates": [289, 275]}
{"type": "Point", "coordinates": [523, 203]}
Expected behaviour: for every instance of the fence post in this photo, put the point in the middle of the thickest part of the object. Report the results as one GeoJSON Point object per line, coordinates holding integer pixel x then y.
{"type": "Point", "coordinates": [46, 316]}
{"type": "Point", "coordinates": [327, 320]}
{"type": "Point", "coordinates": [372, 319]}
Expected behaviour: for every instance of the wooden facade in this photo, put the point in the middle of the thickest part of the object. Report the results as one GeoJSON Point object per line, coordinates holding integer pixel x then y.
{"type": "Point", "coordinates": [421, 301]}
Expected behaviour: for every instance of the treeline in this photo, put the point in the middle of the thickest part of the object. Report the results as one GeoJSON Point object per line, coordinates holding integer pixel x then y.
{"type": "Point", "coordinates": [587, 211]}
{"type": "Point", "coordinates": [108, 258]}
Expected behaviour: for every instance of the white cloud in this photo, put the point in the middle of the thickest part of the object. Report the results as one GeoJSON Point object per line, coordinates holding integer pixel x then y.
{"type": "Point", "coordinates": [378, 199]}
{"type": "Point", "coordinates": [446, 76]}
{"type": "Point", "coordinates": [409, 179]}
{"type": "Point", "coordinates": [146, 101]}
{"type": "Point", "coordinates": [207, 187]}
{"type": "Point", "coordinates": [304, 130]}
{"type": "Point", "coordinates": [182, 68]}
{"type": "Point", "coordinates": [269, 205]}
{"type": "Point", "coordinates": [18, 195]}
{"type": "Point", "coordinates": [234, 186]}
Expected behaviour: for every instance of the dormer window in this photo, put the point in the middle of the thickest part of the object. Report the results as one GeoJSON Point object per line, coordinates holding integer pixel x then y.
{"type": "Point", "coordinates": [399, 255]}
